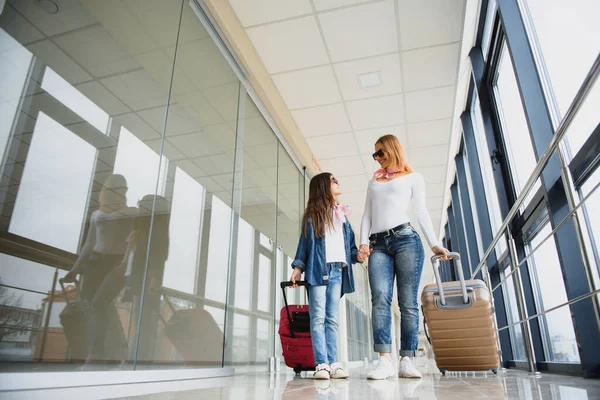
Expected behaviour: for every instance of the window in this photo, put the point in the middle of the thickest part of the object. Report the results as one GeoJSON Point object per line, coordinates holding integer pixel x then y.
{"type": "Point", "coordinates": [516, 332]}
{"type": "Point", "coordinates": [489, 183]}
{"type": "Point", "coordinates": [591, 211]}
{"type": "Point", "coordinates": [560, 344]}
{"type": "Point", "coordinates": [515, 131]}
{"type": "Point", "coordinates": [565, 34]}
{"type": "Point", "coordinates": [53, 191]}
{"type": "Point", "coordinates": [185, 231]}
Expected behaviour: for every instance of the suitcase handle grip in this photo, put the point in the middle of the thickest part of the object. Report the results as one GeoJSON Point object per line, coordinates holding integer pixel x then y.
{"type": "Point", "coordinates": [285, 284]}
{"type": "Point", "coordinates": [435, 261]}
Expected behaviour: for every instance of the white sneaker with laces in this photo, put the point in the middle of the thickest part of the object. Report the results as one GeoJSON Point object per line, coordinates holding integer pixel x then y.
{"type": "Point", "coordinates": [383, 370]}
{"type": "Point", "coordinates": [322, 371]}
{"type": "Point", "coordinates": [337, 372]}
{"type": "Point", "coordinates": [407, 369]}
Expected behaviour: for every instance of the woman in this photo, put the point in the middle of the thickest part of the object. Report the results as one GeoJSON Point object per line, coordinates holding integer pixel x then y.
{"type": "Point", "coordinates": [396, 251]}
{"type": "Point", "coordinates": [99, 262]}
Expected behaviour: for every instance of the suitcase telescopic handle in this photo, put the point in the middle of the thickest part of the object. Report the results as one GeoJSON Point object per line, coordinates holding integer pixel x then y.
{"type": "Point", "coordinates": [435, 261]}
{"type": "Point", "coordinates": [61, 281]}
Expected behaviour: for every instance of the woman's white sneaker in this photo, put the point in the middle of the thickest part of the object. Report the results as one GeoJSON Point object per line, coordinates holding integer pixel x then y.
{"type": "Point", "coordinates": [383, 370]}
{"type": "Point", "coordinates": [408, 370]}
{"type": "Point", "coordinates": [337, 372]}
{"type": "Point", "coordinates": [322, 371]}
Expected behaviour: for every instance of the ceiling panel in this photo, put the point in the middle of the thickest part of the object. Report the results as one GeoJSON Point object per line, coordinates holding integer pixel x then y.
{"type": "Point", "coordinates": [434, 174]}
{"type": "Point", "coordinates": [428, 156]}
{"type": "Point", "coordinates": [48, 53]}
{"type": "Point", "coordinates": [194, 145]}
{"type": "Point", "coordinates": [361, 31]}
{"type": "Point", "coordinates": [322, 120]}
{"type": "Point", "coordinates": [102, 97]}
{"type": "Point", "coordinates": [366, 138]}
{"type": "Point", "coordinates": [376, 112]}
{"type": "Point", "coordinates": [430, 67]}
{"type": "Point", "coordinates": [430, 104]}
{"type": "Point", "coordinates": [321, 5]}
{"type": "Point", "coordinates": [308, 87]}
{"type": "Point", "coordinates": [430, 22]}
{"type": "Point", "coordinates": [289, 45]}
{"type": "Point", "coordinates": [97, 51]}
{"type": "Point", "coordinates": [136, 89]}
{"type": "Point", "coordinates": [343, 166]}
{"type": "Point", "coordinates": [333, 146]}
{"type": "Point", "coordinates": [261, 11]}
{"type": "Point", "coordinates": [72, 15]}
{"type": "Point", "coordinates": [387, 66]}
{"type": "Point", "coordinates": [429, 133]}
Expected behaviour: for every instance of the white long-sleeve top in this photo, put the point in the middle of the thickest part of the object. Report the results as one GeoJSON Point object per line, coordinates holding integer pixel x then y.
{"type": "Point", "coordinates": [387, 207]}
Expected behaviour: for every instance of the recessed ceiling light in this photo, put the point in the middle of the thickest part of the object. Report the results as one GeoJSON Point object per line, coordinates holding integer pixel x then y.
{"type": "Point", "coordinates": [369, 79]}
{"type": "Point", "coordinates": [50, 6]}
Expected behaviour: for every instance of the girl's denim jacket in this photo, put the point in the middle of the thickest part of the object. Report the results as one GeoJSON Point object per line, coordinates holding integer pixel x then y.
{"type": "Point", "coordinates": [311, 257]}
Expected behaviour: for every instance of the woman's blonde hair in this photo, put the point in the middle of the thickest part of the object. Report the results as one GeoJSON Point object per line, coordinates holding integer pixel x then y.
{"type": "Point", "coordinates": [395, 151]}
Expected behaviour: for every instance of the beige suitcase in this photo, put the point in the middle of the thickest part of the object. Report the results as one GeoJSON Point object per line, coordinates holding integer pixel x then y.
{"type": "Point", "coordinates": [459, 321]}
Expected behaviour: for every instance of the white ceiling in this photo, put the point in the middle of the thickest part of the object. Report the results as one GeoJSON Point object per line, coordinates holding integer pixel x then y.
{"type": "Point", "coordinates": [314, 50]}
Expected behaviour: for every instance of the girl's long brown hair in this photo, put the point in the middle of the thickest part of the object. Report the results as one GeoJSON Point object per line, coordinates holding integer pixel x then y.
{"type": "Point", "coordinates": [320, 201]}
{"type": "Point", "coordinates": [395, 151]}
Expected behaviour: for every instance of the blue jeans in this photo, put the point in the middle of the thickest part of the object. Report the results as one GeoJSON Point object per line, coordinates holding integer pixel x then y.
{"type": "Point", "coordinates": [323, 303]}
{"type": "Point", "coordinates": [398, 255]}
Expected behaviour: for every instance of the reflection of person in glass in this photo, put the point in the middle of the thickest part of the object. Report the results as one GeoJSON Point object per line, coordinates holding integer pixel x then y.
{"type": "Point", "coordinates": [157, 233]}
{"type": "Point", "coordinates": [99, 263]}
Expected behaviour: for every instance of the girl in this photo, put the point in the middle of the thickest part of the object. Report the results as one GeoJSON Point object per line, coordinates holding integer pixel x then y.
{"type": "Point", "coordinates": [326, 252]}
{"type": "Point", "coordinates": [396, 252]}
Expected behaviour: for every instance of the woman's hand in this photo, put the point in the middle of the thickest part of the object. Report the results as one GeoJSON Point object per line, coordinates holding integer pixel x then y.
{"type": "Point", "coordinates": [296, 276]}
{"type": "Point", "coordinates": [438, 250]}
{"type": "Point", "coordinates": [363, 252]}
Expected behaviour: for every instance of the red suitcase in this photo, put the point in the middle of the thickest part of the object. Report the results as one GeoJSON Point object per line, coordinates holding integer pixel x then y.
{"type": "Point", "coordinates": [294, 331]}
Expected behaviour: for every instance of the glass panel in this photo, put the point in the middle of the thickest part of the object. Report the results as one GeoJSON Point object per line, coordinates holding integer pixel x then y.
{"type": "Point", "coordinates": [489, 183]}
{"type": "Point", "coordinates": [187, 268]}
{"type": "Point", "coordinates": [585, 121]}
{"type": "Point", "coordinates": [512, 311]}
{"type": "Point", "coordinates": [559, 336]}
{"type": "Point", "coordinates": [254, 272]}
{"type": "Point", "coordinates": [592, 219]}
{"type": "Point", "coordinates": [489, 25]}
{"type": "Point", "coordinates": [521, 157]}
{"type": "Point", "coordinates": [83, 98]}
{"type": "Point", "coordinates": [566, 35]}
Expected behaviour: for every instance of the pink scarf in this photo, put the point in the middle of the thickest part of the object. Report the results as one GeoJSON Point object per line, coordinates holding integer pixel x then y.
{"type": "Point", "coordinates": [339, 213]}
{"type": "Point", "coordinates": [388, 173]}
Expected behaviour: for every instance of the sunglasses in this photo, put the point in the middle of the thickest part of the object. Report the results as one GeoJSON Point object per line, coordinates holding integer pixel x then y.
{"type": "Point", "coordinates": [378, 153]}
{"type": "Point", "coordinates": [334, 180]}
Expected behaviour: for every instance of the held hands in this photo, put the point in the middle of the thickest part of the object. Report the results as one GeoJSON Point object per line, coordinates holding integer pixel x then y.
{"type": "Point", "coordinates": [296, 276]}
{"type": "Point", "coordinates": [363, 252]}
{"type": "Point", "coordinates": [70, 277]}
{"type": "Point", "coordinates": [438, 250]}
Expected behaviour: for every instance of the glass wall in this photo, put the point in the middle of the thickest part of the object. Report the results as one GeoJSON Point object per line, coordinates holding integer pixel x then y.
{"type": "Point", "coordinates": [132, 156]}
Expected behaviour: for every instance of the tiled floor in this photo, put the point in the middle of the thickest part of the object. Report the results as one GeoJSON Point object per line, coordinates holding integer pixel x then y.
{"type": "Point", "coordinates": [510, 384]}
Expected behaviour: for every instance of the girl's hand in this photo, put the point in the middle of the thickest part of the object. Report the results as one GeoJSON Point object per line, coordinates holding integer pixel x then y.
{"type": "Point", "coordinates": [365, 250]}
{"type": "Point", "coordinates": [296, 276]}
{"type": "Point", "coordinates": [438, 250]}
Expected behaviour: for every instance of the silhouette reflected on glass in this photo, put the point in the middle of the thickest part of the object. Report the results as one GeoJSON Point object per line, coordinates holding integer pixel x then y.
{"type": "Point", "coordinates": [155, 231]}
{"type": "Point", "coordinates": [100, 263]}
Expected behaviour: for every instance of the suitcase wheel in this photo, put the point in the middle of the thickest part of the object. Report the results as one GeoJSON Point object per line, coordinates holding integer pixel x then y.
{"type": "Point", "coordinates": [297, 370]}
{"type": "Point", "coordinates": [443, 371]}
{"type": "Point", "coordinates": [495, 371]}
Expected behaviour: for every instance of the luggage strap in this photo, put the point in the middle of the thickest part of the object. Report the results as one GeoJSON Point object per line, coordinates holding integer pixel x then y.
{"type": "Point", "coordinates": [425, 325]}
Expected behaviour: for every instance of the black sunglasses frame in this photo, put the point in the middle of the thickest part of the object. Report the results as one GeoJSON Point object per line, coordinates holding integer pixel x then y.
{"type": "Point", "coordinates": [334, 180]}
{"type": "Point", "coordinates": [378, 153]}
